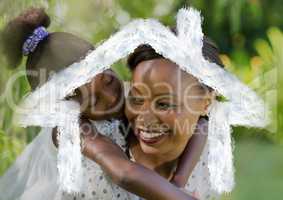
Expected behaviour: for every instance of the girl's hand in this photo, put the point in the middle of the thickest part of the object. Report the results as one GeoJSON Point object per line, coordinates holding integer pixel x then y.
{"type": "Point", "coordinates": [95, 145]}
{"type": "Point", "coordinates": [111, 158]}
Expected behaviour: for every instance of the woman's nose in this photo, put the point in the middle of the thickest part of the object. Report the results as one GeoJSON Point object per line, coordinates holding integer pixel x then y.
{"type": "Point", "coordinates": [147, 118]}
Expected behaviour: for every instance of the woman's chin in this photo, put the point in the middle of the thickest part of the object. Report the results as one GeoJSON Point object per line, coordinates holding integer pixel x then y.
{"type": "Point", "coordinates": [149, 149]}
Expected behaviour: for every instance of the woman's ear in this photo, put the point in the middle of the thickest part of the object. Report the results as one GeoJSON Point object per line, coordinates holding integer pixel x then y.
{"type": "Point", "coordinates": [208, 101]}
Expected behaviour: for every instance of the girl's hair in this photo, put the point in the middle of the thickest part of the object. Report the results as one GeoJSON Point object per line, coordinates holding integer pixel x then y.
{"type": "Point", "coordinates": [57, 51]}
{"type": "Point", "coordinates": [146, 52]}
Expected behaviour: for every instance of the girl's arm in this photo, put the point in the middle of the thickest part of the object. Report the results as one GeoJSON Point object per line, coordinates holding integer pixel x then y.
{"type": "Point", "coordinates": [128, 175]}
{"type": "Point", "coordinates": [191, 155]}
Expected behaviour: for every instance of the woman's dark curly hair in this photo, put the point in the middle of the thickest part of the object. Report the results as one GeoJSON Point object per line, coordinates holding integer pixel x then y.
{"type": "Point", "coordinates": [146, 52]}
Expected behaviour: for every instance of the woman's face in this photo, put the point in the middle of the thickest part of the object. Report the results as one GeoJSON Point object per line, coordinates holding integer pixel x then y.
{"type": "Point", "coordinates": [164, 106]}
{"type": "Point", "coordinates": [102, 98]}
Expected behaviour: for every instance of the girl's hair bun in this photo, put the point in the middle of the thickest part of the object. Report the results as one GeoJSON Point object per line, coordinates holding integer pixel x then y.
{"type": "Point", "coordinates": [18, 30]}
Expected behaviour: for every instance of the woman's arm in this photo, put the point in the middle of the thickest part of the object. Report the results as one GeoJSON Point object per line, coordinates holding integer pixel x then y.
{"type": "Point", "coordinates": [129, 175]}
{"type": "Point", "coordinates": [191, 155]}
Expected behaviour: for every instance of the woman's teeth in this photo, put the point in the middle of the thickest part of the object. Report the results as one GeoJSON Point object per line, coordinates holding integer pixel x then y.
{"type": "Point", "coordinates": [151, 135]}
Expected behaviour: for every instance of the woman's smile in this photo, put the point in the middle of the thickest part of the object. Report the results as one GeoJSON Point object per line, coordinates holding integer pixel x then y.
{"type": "Point", "coordinates": [151, 137]}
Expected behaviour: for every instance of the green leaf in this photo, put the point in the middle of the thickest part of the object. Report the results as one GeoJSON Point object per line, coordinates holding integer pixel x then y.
{"type": "Point", "coordinates": [221, 98]}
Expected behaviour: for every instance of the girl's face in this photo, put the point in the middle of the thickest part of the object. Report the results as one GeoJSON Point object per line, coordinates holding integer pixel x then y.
{"type": "Point", "coordinates": [164, 106]}
{"type": "Point", "coordinates": [102, 98]}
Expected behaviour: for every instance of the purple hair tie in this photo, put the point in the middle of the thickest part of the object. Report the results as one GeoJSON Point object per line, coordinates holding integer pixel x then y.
{"type": "Point", "coordinates": [31, 43]}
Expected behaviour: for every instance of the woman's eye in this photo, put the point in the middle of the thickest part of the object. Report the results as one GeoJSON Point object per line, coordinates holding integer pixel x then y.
{"type": "Point", "coordinates": [136, 100]}
{"type": "Point", "coordinates": [165, 105]}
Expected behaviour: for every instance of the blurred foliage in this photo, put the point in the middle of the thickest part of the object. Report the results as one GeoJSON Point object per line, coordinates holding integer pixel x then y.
{"type": "Point", "coordinates": [250, 39]}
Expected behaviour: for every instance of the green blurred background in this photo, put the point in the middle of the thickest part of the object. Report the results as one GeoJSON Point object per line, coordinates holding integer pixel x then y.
{"type": "Point", "coordinates": [249, 35]}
